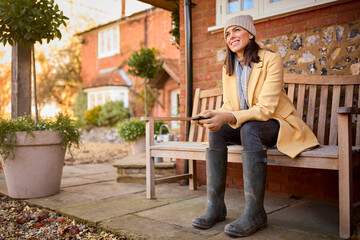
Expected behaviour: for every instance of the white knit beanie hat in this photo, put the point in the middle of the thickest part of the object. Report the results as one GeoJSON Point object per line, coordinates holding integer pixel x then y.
{"type": "Point", "coordinates": [244, 21]}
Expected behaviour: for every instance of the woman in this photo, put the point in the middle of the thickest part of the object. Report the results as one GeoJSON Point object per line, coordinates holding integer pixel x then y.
{"type": "Point", "coordinates": [256, 112]}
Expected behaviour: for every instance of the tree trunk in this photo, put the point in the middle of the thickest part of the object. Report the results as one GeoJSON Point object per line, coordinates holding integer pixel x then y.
{"type": "Point", "coordinates": [145, 98]}
{"type": "Point", "coordinates": [20, 81]}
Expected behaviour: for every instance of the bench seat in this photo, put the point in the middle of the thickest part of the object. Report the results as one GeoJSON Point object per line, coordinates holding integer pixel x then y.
{"type": "Point", "coordinates": [323, 157]}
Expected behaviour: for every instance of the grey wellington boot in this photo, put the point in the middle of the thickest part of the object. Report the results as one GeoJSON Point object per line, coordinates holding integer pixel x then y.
{"type": "Point", "coordinates": [254, 216]}
{"type": "Point", "coordinates": [216, 166]}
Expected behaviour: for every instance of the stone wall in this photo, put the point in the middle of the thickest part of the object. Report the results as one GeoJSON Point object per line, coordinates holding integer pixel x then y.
{"type": "Point", "coordinates": [330, 50]}
{"type": "Point", "coordinates": [100, 135]}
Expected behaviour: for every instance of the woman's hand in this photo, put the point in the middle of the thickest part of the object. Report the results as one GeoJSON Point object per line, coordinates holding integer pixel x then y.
{"type": "Point", "coordinates": [215, 120]}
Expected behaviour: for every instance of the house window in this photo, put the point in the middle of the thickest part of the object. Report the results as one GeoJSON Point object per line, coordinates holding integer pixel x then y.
{"type": "Point", "coordinates": [107, 97]}
{"type": "Point", "coordinates": [92, 101]}
{"type": "Point", "coordinates": [100, 98]}
{"type": "Point", "coordinates": [109, 42]}
{"type": "Point", "coordinates": [259, 9]}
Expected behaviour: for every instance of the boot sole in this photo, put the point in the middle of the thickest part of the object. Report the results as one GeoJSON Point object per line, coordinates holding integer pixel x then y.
{"type": "Point", "coordinates": [197, 225]}
{"type": "Point", "coordinates": [237, 234]}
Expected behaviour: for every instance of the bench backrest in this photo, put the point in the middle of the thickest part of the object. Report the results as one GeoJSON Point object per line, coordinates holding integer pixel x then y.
{"type": "Point", "coordinates": [316, 99]}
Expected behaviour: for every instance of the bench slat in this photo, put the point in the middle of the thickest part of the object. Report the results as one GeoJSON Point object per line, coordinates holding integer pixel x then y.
{"type": "Point", "coordinates": [211, 92]}
{"type": "Point", "coordinates": [349, 94]}
{"type": "Point", "coordinates": [291, 91]}
{"type": "Point", "coordinates": [322, 114]}
{"type": "Point", "coordinates": [326, 151]}
{"type": "Point", "coordinates": [200, 130]}
{"type": "Point", "coordinates": [334, 109]}
{"type": "Point", "coordinates": [196, 108]}
{"type": "Point", "coordinates": [324, 157]}
{"type": "Point", "coordinates": [301, 100]}
{"type": "Point", "coordinates": [311, 107]}
{"type": "Point", "coordinates": [322, 80]}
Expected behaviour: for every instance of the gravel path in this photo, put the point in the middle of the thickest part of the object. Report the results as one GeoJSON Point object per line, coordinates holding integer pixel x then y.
{"type": "Point", "coordinates": [20, 221]}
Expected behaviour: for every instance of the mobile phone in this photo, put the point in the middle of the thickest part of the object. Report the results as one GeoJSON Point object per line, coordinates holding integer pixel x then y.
{"type": "Point", "coordinates": [199, 118]}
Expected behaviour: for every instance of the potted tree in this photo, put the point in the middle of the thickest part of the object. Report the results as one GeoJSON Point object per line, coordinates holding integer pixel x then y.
{"type": "Point", "coordinates": [31, 151]}
{"type": "Point", "coordinates": [133, 132]}
{"type": "Point", "coordinates": [145, 64]}
{"type": "Point", "coordinates": [32, 154]}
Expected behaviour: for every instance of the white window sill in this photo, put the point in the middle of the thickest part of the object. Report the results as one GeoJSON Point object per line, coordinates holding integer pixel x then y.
{"type": "Point", "coordinates": [282, 13]}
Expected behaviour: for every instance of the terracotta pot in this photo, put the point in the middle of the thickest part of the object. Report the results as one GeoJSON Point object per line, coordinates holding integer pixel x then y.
{"type": "Point", "coordinates": [37, 167]}
{"type": "Point", "coordinates": [138, 146]}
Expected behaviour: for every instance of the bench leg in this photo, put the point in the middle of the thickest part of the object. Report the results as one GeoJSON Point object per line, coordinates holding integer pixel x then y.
{"type": "Point", "coordinates": [150, 177]}
{"type": "Point", "coordinates": [192, 170]}
{"type": "Point", "coordinates": [345, 176]}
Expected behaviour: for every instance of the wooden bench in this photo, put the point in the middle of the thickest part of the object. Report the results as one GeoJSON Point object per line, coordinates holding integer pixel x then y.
{"type": "Point", "coordinates": [330, 107]}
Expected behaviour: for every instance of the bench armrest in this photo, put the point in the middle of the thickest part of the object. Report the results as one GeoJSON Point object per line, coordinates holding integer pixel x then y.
{"type": "Point", "coordinates": [349, 110]}
{"type": "Point", "coordinates": [166, 118]}
{"type": "Point", "coordinates": [149, 131]}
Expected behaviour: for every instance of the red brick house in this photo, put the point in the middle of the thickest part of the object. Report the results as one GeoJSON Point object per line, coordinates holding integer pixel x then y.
{"type": "Point", "coordinates": [106, 48]}
{"type": "Point", "coordinates": [317, 37]}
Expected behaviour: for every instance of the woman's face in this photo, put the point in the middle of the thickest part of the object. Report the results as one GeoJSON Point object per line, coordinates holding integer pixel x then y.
{"type": "Point", "coordinates": [237, 39]}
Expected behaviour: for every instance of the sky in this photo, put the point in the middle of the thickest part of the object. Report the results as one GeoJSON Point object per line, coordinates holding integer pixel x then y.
{"type": "Point", "coordinates": [83, 14]}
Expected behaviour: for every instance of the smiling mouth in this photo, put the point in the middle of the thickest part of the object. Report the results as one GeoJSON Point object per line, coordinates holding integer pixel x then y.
{"type": "Point", "coordinates": [234, 43]}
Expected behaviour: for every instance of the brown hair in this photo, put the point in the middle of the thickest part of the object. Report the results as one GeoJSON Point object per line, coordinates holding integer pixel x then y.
{"type": "Point", "coordinates": [250, 55]}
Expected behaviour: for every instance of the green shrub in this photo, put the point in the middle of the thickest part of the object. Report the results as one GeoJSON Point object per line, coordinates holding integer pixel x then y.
{"type": "Point", "coordinates": [61, 123]}
{"type": "Point", "coordinates": [157, 125]}
{"type": "Point", "coordinates": [92, 115]}
{"type": "Point", "coordinates": [112, 112]}
{"type": "Point", "coordinates": [132, 129]}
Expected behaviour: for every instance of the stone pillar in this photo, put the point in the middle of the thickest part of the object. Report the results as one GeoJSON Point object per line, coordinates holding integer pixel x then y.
{"type": "Point", "coordinates": [20, 81]}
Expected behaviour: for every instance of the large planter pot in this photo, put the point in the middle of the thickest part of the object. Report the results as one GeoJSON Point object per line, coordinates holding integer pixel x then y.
{"type": "Point", "coordinates": [37, 167]}
{"type": "Point", "coordinates": [138, 146]}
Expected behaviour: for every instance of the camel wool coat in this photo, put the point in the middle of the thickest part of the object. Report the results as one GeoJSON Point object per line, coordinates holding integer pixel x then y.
{"type": "Point", "coordinates": [268, 100]}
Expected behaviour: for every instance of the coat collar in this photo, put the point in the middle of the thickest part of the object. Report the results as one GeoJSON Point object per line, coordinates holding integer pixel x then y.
{"type": "Point", "coordinates": [253, 79]}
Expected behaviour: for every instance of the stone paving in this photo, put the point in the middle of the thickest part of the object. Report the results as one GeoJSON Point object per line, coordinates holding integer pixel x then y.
{"type": "Point", "coordinates": [91, 194]}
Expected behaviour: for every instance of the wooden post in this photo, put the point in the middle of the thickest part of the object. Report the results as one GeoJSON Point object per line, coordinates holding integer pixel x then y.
{"type": "Point", "coordinates": [150, 164]}
{"type": "Point", "coordinates": [345, 175]}
{"type": "Point", "coordinates": [20, 81]}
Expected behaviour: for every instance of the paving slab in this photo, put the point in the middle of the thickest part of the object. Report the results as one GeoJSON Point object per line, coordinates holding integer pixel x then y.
{"type": "Point", "coordinates": [136, 227]}
{"type": "Point", "coordinates": [173, 192]}
{"type": "Point", "coordinates": [273, 232]}
{"type": "Point", "coordinates": [321, 218]}
{"type": "Point", "coordinates": [87, 179]}
{"type": "Point", "coordinates": [105, 209]}
{"type": "Point", "coordinates": [108, 176]}
{"type": "Point", "coordinates": [183, 212]}
{"type": "Point", "coordinates": [78, 181]}
{"type": "Point", "coordinates": [63, 198]}
{"type": "Point", "coordinates": [87, 169]}
{"type": "Point", "coordinates": [84, 193]}
{"type": "Point", "coordinates": [103, 190]}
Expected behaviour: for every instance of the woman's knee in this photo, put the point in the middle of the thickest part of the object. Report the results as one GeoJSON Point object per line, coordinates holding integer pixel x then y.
{"type": "Point", "coordinates": [250, 137]}
{"type": "Point", "coordinates": [249, 129]}
{"type": "Point", "coordinates": [219, 139]}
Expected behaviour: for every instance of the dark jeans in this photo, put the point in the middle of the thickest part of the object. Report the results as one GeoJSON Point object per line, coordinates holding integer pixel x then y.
{"type": "Point", "coordinates": [251, 135]}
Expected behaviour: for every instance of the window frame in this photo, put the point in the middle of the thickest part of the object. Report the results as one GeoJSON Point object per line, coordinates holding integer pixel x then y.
{"type": "Point", "coordinates": [109, 35]}
{"type": "Point", "coordinates": [263, 9]}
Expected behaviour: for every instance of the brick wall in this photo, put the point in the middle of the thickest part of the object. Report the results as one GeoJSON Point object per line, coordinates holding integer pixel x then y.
{"type": "Point", "coordinates": [132, 36]}
{"type": "Point", "coordinates": [322, 41]}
